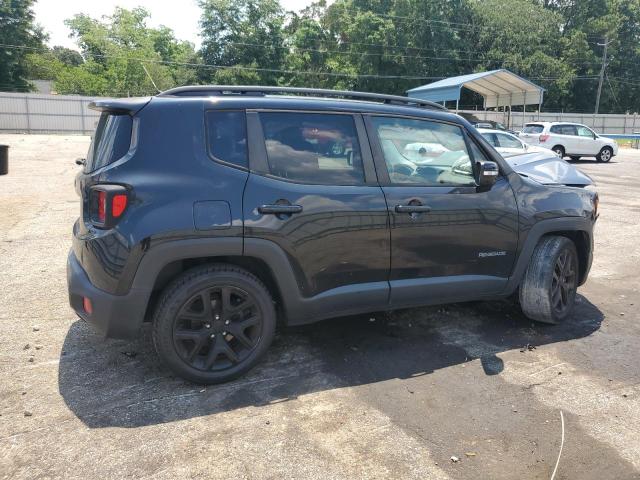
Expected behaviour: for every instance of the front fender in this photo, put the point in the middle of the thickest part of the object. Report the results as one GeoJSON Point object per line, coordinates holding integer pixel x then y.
{"type": "Point", "coordinates": [537, 231]}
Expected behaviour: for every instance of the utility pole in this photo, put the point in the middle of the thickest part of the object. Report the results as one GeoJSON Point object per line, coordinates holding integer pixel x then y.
{"type": "Point", "coordinates": [604, 66]}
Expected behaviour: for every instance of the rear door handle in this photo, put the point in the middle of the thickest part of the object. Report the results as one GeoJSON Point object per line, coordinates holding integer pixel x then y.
{"type": "Point", "coordinates": [412, 209]}
{"type": "Point", "coordinates": [277, 209]}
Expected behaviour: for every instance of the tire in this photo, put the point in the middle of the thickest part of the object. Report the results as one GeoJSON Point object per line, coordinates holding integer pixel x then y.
{"type": "Point", "coordinates": [220, 340]}
{"type": "Point", "coordinates": [574, 158]}
{"type": "Point", "coordinates": [548, 289]}
{"type": "Point", "coordinates": [559, 150]}
{"type": "Point", "coordinates": [605, 155]}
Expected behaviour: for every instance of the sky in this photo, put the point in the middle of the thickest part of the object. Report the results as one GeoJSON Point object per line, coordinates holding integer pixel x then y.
{"type": "Point", "coordinates": [181, 16]}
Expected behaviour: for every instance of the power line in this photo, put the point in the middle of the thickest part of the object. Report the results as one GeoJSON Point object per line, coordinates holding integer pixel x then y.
{"type": "Point", "coordinates": [364, 54]}
{"type": "Point", "coordinates": [455, 26]}
{"type": "Point", "coordinates": [241, 67]}
{"type": "Point", "coordinates": [612, 91]}
{"type": "Point", "coordinates": [202, 65]}
{"type": "Point", "coordinates": [258, 69]}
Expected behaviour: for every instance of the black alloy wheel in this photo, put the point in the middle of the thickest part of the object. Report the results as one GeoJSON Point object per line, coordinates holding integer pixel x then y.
{"type": "Point", "coordinates": [563, 283]}
{"type": "Point", "coordinates": [548, 289]}
{"type": "Point", "coordinates": [217, 328]}
{"type": "Point", "coordinates": [213, 323]}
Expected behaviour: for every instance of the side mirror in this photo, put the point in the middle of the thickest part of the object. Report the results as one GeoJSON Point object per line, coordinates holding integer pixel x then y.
{"type": "Point", "coordinates": [595, 136]}
{"type": "Point", "coordinates": [487, 174]}
{"type": "Point", "coordinates": [81, 161]}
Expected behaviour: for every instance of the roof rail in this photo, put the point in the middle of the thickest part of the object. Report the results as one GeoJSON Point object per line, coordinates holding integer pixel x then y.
{"type": "Point", "coordinates": [218, 90]}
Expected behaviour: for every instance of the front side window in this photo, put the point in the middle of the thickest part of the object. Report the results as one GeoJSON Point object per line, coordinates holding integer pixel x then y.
{"type": "Point", "coordinates": [313, 148]}
{"type": "Point", "coordinates": [227, 136]}
{"type": "Point", "coordinates": [507, 141]}
{"type": "Point", "coordinates": [111, 140]}
{"type": "Point", "coordinates": [584, 132]}
{"type": "Point", "coordinates": [423, 152]}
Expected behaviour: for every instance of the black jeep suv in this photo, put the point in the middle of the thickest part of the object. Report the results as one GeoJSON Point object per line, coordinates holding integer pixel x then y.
{"type": "Point", "coordinates": [212, 211]}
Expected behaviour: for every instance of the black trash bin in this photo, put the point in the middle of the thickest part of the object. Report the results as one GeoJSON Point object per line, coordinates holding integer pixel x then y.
{"type": "Point", "coordinates": [4, 159]}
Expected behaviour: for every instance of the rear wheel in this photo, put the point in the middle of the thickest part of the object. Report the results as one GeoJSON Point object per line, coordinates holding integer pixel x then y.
{"type": "Point", "coordinates": [605, 154]}
{"type": "Point", "coordinates": [213, 323]}
{"type": "Point", "coordinates": [548, 290]}
{"type": "Point", "coordinates": [559, 150]}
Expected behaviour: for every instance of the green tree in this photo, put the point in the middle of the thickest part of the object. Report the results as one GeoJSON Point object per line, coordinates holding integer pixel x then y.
{"type": "Point", "coordinates": [118, 49]}
{"type": "Point", "coordinates": [67, 56]}
{"type": "Point", "coordinates": [247, 34]}
{"type": "Point", "coordinates": [18, 36]}
{"type": "Point", "coordinates": [618, 23]}
{"type": "Point", "coordinates": [524, 37]}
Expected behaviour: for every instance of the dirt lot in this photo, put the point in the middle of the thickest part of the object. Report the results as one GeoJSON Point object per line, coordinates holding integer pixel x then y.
{"type": "Point", "coordinates": [395, 397]}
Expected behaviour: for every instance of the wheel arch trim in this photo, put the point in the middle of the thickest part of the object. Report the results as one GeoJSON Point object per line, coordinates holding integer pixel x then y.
{"type": "Point", "coordinates": [297, 308]}
{"type": "Point", "coordinates": [545, 227]}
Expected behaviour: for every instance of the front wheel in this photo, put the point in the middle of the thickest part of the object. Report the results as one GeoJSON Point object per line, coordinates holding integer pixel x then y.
{"type": "Point", "coordinates": [548, 289]}
{"type": "Point", "coordinates": [213, 323]}
{"type": "Point", "coordinates": [605, 154]}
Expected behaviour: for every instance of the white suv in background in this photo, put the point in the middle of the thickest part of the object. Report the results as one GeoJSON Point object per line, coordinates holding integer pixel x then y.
{"type": "Point", "coordinates": [569, 140]}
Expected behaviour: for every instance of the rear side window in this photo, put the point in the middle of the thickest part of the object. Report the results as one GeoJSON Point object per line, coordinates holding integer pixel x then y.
{"type": "Point", "coordinates": [533, 128]}
{"type": "Point", "coordinates": [110, 142]}
{"type": "Point", "coordinates": [491, 138]}
{"type": "Point", "coordinates": [313, 148]}
{"type": "Point", "coordinates": [563, 129]}
{"type": "Point", "coordinates": [227, 136]}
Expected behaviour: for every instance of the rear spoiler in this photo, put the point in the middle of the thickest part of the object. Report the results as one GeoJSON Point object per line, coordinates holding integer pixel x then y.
{"type": "Point", "coordinates": [120, 105]}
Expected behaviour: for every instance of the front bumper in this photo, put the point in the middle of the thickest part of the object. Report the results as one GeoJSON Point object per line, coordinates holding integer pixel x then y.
{"type": "Point", "coordinates": [114, 316]}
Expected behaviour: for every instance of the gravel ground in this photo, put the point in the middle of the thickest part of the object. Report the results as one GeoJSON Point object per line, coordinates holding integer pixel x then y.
{"type": "Point", "coordinates": [392, 396]}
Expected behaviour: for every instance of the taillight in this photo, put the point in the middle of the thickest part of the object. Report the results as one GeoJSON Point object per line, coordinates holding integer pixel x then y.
{"type": "Point", "coordinates": [102, 206]}
{"type": "Point", "coordinates": [87, 305]}
{"type": "Point", "coordinates": [543, 138]}
{"type": "Point", "coordinates": [118, 204]}
{"type": "Point", "coordinates": [107, 204]}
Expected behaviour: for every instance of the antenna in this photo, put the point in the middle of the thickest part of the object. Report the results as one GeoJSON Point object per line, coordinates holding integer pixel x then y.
{"type": "Point", "coordinates": [147, 72]}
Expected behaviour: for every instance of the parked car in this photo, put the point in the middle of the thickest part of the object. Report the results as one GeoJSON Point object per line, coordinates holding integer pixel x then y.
{"type": "Point", "coordinates": [487, 124]}
{"type": "Point", "coordinates": [570, 140]}
{"type": "Point", "coordinates": [214, 211]}
{"type": "Point", "coordinates": [506, 143]}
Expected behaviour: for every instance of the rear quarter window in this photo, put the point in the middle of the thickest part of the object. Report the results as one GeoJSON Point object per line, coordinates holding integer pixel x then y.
{"type": "Point", "coordinates": [111, 140]}
{"type": "Point", "coordinates": [227, 136]}
{"type": "Point", "coordinates": [533, 128]}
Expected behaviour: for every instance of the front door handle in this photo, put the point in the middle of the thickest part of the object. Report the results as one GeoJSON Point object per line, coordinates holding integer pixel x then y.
{"type": "Point", "coordinates": [277, 209]}
{"type": "Point", "coordinates": [412, 209]}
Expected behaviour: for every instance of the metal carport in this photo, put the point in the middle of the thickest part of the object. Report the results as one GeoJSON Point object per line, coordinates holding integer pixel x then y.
{"type": "Point", "coordinates": [499, 88]}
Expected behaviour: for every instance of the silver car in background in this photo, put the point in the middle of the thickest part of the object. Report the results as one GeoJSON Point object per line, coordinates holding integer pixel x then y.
{"type": "Point", "coordinates": [506, 143]}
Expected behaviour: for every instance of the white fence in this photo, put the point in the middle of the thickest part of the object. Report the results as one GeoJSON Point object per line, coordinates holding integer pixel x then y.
{"type": "Point", "coordinates": [37, 113]}
{"type": "Point", "coordinates": [605, 123]}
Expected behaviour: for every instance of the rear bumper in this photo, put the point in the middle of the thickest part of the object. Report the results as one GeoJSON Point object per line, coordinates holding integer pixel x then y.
{"type": "Point", "coordinates": [114, 316]}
